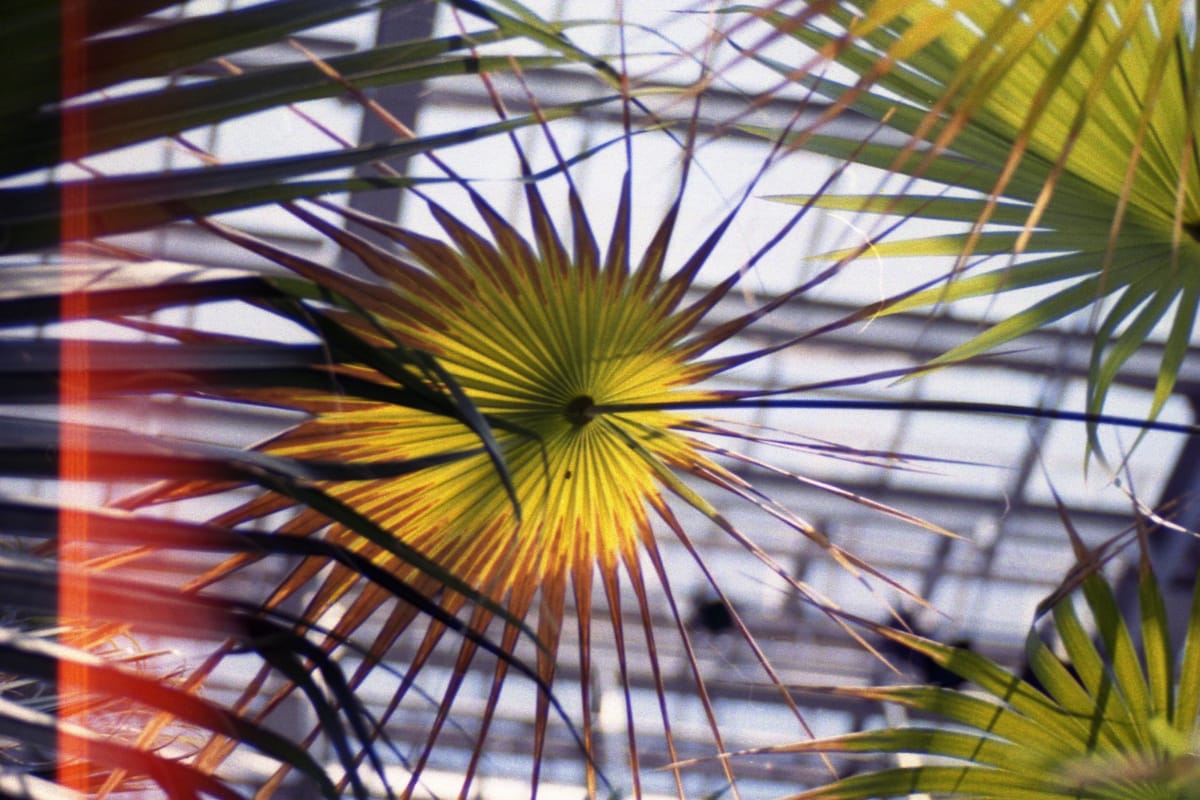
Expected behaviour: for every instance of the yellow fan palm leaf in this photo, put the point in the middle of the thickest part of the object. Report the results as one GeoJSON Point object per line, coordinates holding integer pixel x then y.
{"type": "Point", "coordinates": [581, 365]}
{"type": "Point", "coordinates": [1060, 135]}
{"type": "Point", "coordinates": [1116, 718]}
{"type": "Point", "coordinates": [537, 344]}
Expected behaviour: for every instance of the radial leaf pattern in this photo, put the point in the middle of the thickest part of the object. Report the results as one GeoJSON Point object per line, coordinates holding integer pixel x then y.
{"type": "Point", "coordinates": [548, 343]}
{"type": "Point", "coordinates": [537, 344]}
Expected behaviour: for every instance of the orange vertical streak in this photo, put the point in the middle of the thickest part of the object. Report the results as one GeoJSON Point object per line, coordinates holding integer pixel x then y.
{"type": "Point", "coordinates": [74, 463]}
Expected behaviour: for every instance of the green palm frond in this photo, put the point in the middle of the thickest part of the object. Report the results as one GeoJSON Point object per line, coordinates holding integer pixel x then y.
{"type": "Point", "coordinates": [1115, 715]}
{"type": "Point", "coordinates": [89, 78]}
{"type": "Point", "coordinates": [1060, 135]}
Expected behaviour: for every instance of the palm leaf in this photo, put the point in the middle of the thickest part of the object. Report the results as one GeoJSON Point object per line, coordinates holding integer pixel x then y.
{"type": "Point", "coordinates": [1061, 134]}
{"type": "Point", "coordinates": [1109, 719]}
{"type": "Point", "coordinates": [29, 586]}
{"type": "Point", "coordinates": [77, 106]}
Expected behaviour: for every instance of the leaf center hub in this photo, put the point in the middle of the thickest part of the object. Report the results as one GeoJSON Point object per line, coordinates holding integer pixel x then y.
{"type": "Point", "coordinates": [580, 410]}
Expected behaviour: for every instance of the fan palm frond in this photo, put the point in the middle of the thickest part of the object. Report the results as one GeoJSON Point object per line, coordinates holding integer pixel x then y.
{"type": "Point", "coordinates": [575, 357]}
{"type": "Point", "coordinates": [1113, 716]}
{"type": "Point", "coordinates": [1059, 135]}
